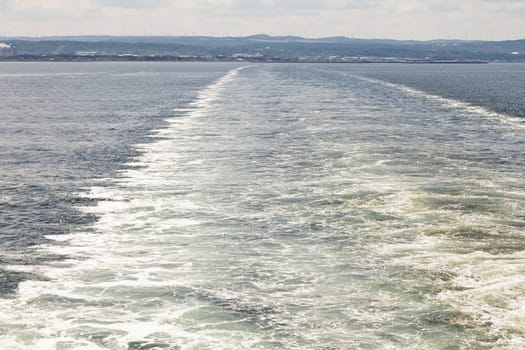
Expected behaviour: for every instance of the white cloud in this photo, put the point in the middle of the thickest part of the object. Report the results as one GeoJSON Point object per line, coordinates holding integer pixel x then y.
{"type": "Point", "coordinates": [404, 19]}
{"type": "Point", "coordinates": [140, 4]}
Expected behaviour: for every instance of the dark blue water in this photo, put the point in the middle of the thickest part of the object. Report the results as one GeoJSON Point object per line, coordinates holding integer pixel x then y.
{"type": "Point", "coordinates": [205, 206]}
{"type": "Point", "coordinates": [498, 87]}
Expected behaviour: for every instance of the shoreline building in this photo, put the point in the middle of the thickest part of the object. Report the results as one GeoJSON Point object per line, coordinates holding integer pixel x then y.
{"type": "Point", "coordinates": [6, 50]}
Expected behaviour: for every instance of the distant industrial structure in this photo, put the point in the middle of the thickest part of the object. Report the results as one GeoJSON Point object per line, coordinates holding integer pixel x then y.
{"type": "Point", "coordinates": [247, 56]}
{"type": "Point", "coordinates": [6, 50]}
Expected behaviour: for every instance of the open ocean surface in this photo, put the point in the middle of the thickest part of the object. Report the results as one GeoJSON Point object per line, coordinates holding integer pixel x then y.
{"type": "Point", "coordinates": [223, 206]}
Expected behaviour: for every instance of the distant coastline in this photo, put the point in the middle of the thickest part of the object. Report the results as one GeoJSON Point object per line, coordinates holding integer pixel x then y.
{"type": "Point", "coordinates": [258, 48]}
{"type": "Point", "coordinates": [167, 58]}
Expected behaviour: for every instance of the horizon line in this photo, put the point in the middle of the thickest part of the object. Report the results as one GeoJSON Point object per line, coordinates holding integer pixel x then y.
{"type": "Point", "coordinates": [341, 37]}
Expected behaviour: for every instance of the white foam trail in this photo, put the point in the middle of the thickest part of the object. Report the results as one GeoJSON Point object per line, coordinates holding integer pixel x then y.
{"type": "Point", "coordinates": [322, 261]}
{"type": "Point", "coordinates": [489, 288]}
{"type": "Point", "coordinates": [469, 108]}
{"type": "Point", "coordinates": [115, 259]}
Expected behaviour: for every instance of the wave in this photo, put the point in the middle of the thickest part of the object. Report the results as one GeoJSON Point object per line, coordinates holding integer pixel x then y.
{"type": "Point", "coordinates": [481, 280]}
{"type": "Point", "coordinates": [485, 290]}
{"type": "Point", "coordinates": [465, 107]}
{"type": "Point", "coordinates": [110, 292]}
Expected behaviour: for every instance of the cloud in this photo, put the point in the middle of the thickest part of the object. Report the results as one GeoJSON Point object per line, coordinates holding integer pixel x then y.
{"type": "Point", "coordinates": [302, 5]}
{"type": "Point", "coordinates": [34, 10]}
{"type": "Point", "coordinates": [135, 4]}
{"type": "Point", "coordinates": [516, 7]}
{"type": "Point", "coordinates": [404, 19]}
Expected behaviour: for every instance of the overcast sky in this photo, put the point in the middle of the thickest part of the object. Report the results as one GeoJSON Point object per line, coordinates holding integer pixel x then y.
{"type": "Point", "coordinates": [397, 19]}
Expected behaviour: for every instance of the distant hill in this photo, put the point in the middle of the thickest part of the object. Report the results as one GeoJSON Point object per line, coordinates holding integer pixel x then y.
{"type": "Point", "coordinates": [271, 47]}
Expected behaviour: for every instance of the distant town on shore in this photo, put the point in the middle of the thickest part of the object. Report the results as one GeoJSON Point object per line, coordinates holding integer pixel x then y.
{"type": "Point", "coordinates": [257, 48]}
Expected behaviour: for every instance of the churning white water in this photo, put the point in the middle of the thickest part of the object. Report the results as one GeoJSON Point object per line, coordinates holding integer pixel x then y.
{"type": "Point", "coordinates": [288, 207]}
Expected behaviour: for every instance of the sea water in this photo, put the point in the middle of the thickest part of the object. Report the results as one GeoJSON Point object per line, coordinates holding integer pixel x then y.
{"type": "Point", "coordinates": [228, 206]}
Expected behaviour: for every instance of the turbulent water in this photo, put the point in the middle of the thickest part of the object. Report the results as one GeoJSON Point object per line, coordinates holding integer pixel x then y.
{"type": "Point", "coordinates": [214, 206]}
